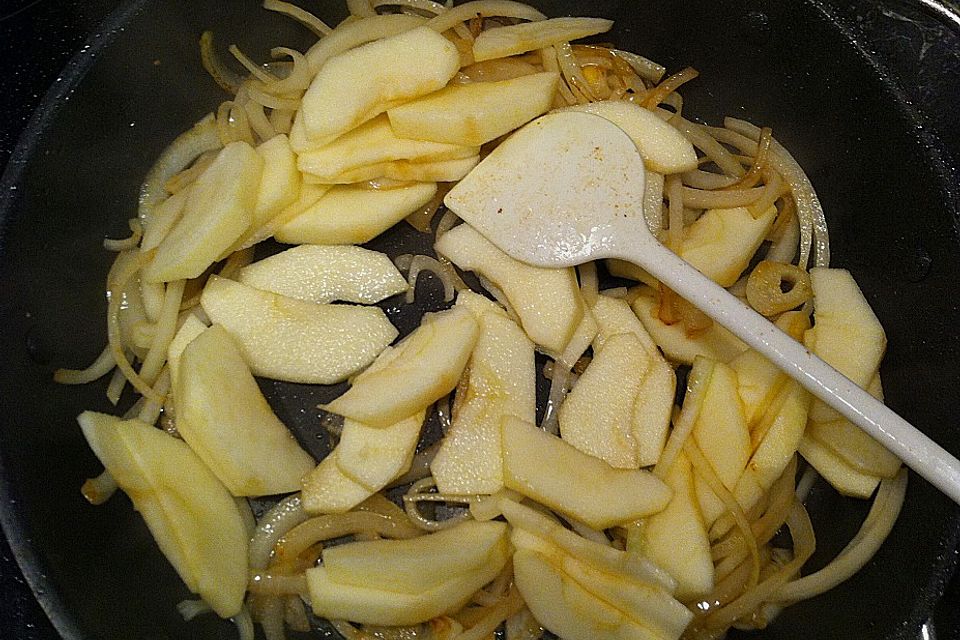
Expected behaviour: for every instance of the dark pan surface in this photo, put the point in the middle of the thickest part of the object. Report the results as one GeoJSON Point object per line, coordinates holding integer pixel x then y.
{"type": "Point", "coordinates": [884, 183]}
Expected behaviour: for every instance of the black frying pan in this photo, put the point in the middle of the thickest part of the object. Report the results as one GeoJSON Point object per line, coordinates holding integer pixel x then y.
{"type": "Point", "coordinates": [884, 180]}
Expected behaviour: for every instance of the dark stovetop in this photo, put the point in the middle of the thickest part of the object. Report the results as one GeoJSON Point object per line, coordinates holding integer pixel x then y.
{"type": "Point", "coordinates": [917, 40]}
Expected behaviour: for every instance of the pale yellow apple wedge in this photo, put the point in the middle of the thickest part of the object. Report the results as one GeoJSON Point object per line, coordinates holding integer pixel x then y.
{"type": "Point", "coordinates": [354, 86]}
{"type": "Point", "coordinates": [288, 339]}
{"type": "Point", "coordinates": [597, 415]}
{"type": "Point", "coordinates": [721, 242]}
{"type": "Point", "coordinates": [648, 604]}
{"type": "Point", "coordinates": [566, 608]}
{"type": "Point", "coordinates": [217, 212]}
{"type": "Point", "coordinates": [714, 342]}
{"type": "Point", "coordinates": [548, 301]}
{"type": "Point", "coordinates": [190, 329]}
{"type": "Point", "coordinates": [310, 195]}
{"type": "Point", "coordinates": [842, 476]}
{"type": "Point", "coordinates": [165, 215]}
{"type": "Point", "coordinates": [420, 564]}
{"type": "Point", "coordinates": [547, 469]}
{"type": "Point", "coordinates": [354, 215]}
{"type": "Point", "coordinates": [529, 36]}
{"type": "Point", "coordinates": [663, 148]}
{"type": "Point", "coordinates": [280, 183]}
{"type": "Point", "coordinates": [327, 489]}
{"type": "Point", "coordinates": [372, 605]}
{"type": "Point", "coordinates": [373, 456]}
{"type": "Point", "coordinates": [676, 538]}
{"type": "Point", "coordinates": [846, 332]}
{"type": "Point", "coordinates": [423, 368]}
{"type": "Point", "coordinates": [473, 114]}
{"type": "Point", "coordinates": [371, 144]}
{"type": "Point", "coordinates": [224, 417]}
{"type": "Point", "coordinates": [653, 405]}
{"type": "Point", "coordinates": [500, 381]}
{"type": "Point", "coordinates": [324, 274]}
{"type": "Point", "coordinates": [190, 514]}
{"type": "Point", "coordinates": [852, 444]}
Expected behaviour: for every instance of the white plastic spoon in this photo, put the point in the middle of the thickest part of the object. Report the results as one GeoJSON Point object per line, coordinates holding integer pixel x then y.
{"type": "Point", "coordinates": [568, 188]}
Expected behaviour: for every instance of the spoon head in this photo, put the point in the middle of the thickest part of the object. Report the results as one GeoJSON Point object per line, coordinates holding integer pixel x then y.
{"type": "Point", "coordinates": [565, 189]}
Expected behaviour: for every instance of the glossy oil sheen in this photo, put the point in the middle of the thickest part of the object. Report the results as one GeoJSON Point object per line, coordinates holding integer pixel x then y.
{"type": "Point", "coordinates": [877, 174]}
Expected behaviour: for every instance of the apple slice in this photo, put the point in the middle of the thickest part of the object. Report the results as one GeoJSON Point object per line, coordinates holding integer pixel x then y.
{"type": "Point", "coordinates": [566, 608]}
{"type": "Point", "coordinates": [310, 195]}
{"type": "Point", "coordinates": [423, 563]}
{"type": "Point", "coordinates": [422, 368]}
{"type": "Point", "coordinates": [327, 489]}
{"type": "Point", "coordinates": [217, 212]}
{"type": "Point", "coordinates": [372, 605]}
{"type": "Point", "coordinates": [280, 182]}
{"type": "Point", "coordinates": [190, 514]}
{"type": "Point", "coordinates": [473, 114]}
{"type": "Point", "coordinates": [354, 215]}
{"type": "Point", "coordinates": [575, 483]}
{"type": "Point", "coordinates": [323, 274]}
{"type": "Point", "coordinates": [530, 36]}
{"type": "Point", "coordinates": [190, 329]}
{"type": "Point", "coordinates": [653, 404]}
{"type": "Point", "coordinates": [714, 342]}
{"type": "Point", "coordinates": [721, 242]}
{"type": "Point", "coordinates": [372, 144]}
{"type": "Point", "coordinates": [358, 84]}
{"type": "Point", "coordinates": [663, 148]}
{"type": "Point", "coordinates": [293, 340]}
{"type": "Point", "coordinates": [842, 476]}
{"type": "Point", "coordinates": [165, 215]}
{"type": "Point", "coordinates": [373, 456]}
{"type": "Point", "coordinates": [547, 301]}
{"type": "Point", "coordinates": [676, 538]}
{"type": "Point", "coordinates": [500, 381]}
{"type": "Point", "coordinates": [224, 417]}
{"type": "Point", "coordinates": [846, 332]}
{"type": "Point", "coordinates": [597, 416]}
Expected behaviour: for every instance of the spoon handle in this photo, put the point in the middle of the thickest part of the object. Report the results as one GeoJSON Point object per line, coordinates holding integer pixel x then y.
{"type": "Point", "coordinates": [908, 443]}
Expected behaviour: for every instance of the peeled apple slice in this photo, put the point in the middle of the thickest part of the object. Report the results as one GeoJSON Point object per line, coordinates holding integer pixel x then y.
{"type": "Point", "coordinates": [327, 489]}
{"type": "Point", "coordinates": [421, 369]}
{"type": "Point", "coordinates": [224, 417]}
{"type": "Point", "coordinates": [574, 483]}
{"type": "Point", "coordinates": [194, 519]}
{"type": "Point", "coordinates": [841, 475]}
{"type": "Point", "coordinates": [663, 148]}
{"type": "Point", "coordinates": [721, 242]}
{"type": "Point", "coordinates": [597, 415]}
{"type": "Point", "coordinates": [373, 456]}
{"type": "Point", "coordinates": [164, 216]}
{"type": "Point", "coordinates": [846, 332]}
{"type": "Point", "coordinates": [473, 114]}
{"type": "Point", "coordinates": [349, 214]}
{"type": "Point", "coordinates": [280, 181]}
{"type": "Point", "coordinates": [548, 301]}
{"type": "Point", "coordinates": [218, 211]}
{"type": "Point", "coordinates": [529, 36]}
{"type": "Point", "coordinates": [356, 85]}
{"type": "Point", "coordinates": [190, 329]}
{"type": "Point", "coordinates": [287, 339]}
{"type": "Point", "coordinates": [372, 144]}
{"type": "Point", "coordinates": [323, 274]}
{"type": "Point", "coordinates": [714, 342]}
{"type": "Point", "coordinates": [676, 538]}
{"type": "Point", "coordinates": [500, 381]}
{"type": "Point", "coordinates": [422, 563]}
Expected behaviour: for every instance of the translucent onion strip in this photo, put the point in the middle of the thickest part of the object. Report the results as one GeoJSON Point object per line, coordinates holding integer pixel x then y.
{"type": "Point", "coordinates": [273, 525]}
{"type": "Point", "coordinates": [103, 365]}
{"type": "Point", "coordinates": [256, 70]}
{"type": "Point", "coordinates": [493, 616]}
{"type": "Point", "coordinates": [99, 489]}
{"type": "Point", "coordinates": [165, 329]}
{"type": "Point", "coordinates": [485, 9]}
{"type": "Point", "coordinates": [701, 139]}
{"type": "Point", "coordinates": [299, 77]}
{"type": "Point", "coordinates": [875, 529]}
{"type": "Point", "coordinates": [646, 69]}
{"type": "Point", "coordinates": [227, 79]}
{"type": "Point", "coordinates": [668, 86]}
{"type": "Point", "coordinates": [151, 409]}
{"type": "Point", "coordinates": [699, 179]}
{"type": "Point", "coordinates": [307, 19]}
{"type": "Point", "coordinates": [327, 527]}
{"type": "Point", "coordinates": [274, 584]}
{"type": "Point", "coordinates": [421, 491]}
{"type": "Point", "coordinates": [426, 6]}
{"type": "Point", "coordinates": [126, 244]}
{"type": "Point", "coordinates": [813, 224]}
